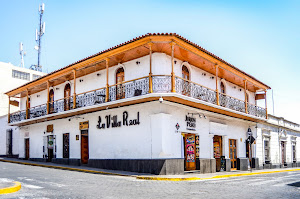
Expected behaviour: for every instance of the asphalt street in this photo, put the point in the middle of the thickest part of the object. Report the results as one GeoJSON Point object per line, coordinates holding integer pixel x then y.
{"type": "Point", "coordinates": [39, 182]}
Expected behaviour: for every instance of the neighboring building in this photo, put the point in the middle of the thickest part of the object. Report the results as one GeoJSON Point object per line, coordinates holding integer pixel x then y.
{"type": "Point", "coordinates": [278, 143]}
{"type": "Point", "coordinates": [156, 104]}
{"type": "Point", "coordinates": [11, 77]}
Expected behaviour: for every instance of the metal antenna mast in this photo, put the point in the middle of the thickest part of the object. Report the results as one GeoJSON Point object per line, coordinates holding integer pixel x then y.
{"type": "Point", "coordinates": [38, 36]}
{"type": "Point", "coordinates": [22, 53]}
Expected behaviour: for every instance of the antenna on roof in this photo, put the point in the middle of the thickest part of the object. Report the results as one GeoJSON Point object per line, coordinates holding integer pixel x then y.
{"type": "Point", "coordinates": [38, 36]}
{"type": "Point", "coordinates": [22, 53]}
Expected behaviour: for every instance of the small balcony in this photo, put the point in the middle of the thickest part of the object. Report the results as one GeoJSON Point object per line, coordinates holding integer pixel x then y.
{"type": "Point", "coordinates": [160, 84]}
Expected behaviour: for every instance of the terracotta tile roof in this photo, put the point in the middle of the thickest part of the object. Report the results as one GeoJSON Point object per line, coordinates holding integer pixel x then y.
{"type": "Point", "coordinates": [141, 37]}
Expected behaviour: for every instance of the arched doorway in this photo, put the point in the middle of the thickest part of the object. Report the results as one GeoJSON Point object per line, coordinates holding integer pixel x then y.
{"type": "Point", "coordinates": [67, 94]}
{"type": "Point", "coordinates": [51, 101]}
{"type": "Point", "coordinates": [120, 77]}
{"type": "Point", "coordinates": [186, 84]}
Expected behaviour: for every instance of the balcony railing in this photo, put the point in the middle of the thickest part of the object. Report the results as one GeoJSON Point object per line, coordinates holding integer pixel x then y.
{"type": "Point", "coordinates": [137, 87]}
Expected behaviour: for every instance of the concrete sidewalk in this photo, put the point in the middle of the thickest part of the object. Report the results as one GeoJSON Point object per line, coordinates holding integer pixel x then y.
{"type": "Point", "coordinates": [146, 176]}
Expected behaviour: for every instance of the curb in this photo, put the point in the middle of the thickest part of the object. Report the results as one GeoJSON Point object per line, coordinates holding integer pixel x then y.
{"type": "Point", "coordinates": [66, 168]}
{"type": "Point", "coordinates": [214, 177]}
{"type": "Point", "coordinates": [11, 189]}
{"type": "Point", "coordinates": [147, 177]}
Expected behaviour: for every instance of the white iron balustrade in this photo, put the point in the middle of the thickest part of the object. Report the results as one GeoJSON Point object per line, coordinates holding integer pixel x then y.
{"type": "Point", "coordinates": [137, 87]}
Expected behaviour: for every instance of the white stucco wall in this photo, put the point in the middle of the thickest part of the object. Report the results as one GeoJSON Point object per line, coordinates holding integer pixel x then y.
{"type": "Point", "coordinates": [3, 137]}
{"type": "Point", "coordinates": [155, 137]}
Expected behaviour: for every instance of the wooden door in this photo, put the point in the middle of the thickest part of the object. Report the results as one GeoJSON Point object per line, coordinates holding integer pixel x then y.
{"type": "Point", "coordinates": [232, 154]}
{"type": "Point", "coordinates": [26, 148]}
{"type": "Point", "coordinates": [67, 94]}
{"type": "Point", "coordinates": [66, 141]}
{"type": "Point", "coordinates": [190, 152]}
{"type": "Point", "coordinates": [218, 151]}
{"type": "Point", "coordinates": [84, 149]}
{"type": "Point", "coordinates": [120, 77]}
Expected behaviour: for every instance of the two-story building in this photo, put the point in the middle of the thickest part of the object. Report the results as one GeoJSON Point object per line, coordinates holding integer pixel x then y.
{"type": "Point", "coordinates": [155, 104]}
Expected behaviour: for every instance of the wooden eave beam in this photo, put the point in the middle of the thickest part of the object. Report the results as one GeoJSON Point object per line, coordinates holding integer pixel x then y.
{"type": "Point", "coordinates": [193, 49]}
{"type": "Point", "coordinates": [78, 66]}
{"type": "Point", "coordinates": [129, 46]}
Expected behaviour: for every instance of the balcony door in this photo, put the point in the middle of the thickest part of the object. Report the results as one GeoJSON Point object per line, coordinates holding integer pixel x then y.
{"type": "Point", "coordinates": [120, 77]}
{"type": "Point", "coordinates": [67, 94]}
{"type": "Point", "coordinates": [186, 76]}
{"type": "Point", "coordinates": [51, 101]}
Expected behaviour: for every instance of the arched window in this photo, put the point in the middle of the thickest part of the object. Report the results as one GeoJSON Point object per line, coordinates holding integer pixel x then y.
{"type": "Point", "coordinates": [222, 88]}
{"type": "Point", "coordinates": [51, 101]}
{"type": "Point", "coordinates": [185, 73]}
{"type": "Point", "coordinates": [67, 94]}
{"type": "Point", "coordinates": [120, 77]}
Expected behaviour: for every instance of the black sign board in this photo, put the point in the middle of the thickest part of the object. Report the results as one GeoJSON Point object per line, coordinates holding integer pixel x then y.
{"type": "Point", "coordinates": [190, 123]}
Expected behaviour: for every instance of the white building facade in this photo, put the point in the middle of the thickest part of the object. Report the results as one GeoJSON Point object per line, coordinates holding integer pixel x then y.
{"type": "Point", "coordinates": [156, 104]}
{"type": "Point", "coordinates": [11, 77]}
{"type": "Point", "coordinates": [278, 143]}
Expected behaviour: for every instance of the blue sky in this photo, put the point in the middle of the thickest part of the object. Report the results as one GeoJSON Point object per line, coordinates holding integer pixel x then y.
{"type": "Point", "coordinates": [260, 37]}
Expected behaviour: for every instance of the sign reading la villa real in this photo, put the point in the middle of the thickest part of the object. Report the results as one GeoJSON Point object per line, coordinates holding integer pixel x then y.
{"type": "Point", "coordinates": [112, 121]}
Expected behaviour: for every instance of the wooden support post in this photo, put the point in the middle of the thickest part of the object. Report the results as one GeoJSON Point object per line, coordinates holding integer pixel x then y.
{"type": "Point", "coordinates": [27, 103]}
{"type": "Point", "coordinates": [74, 89]}
{"type": "Point", "coordinates": [266, 104]}
{"type": "Point", "coordinates": [246, 98]}
{"type": "Point", "coordinates": [8, 115]}
{"type": "Point", "coordinates": [150, 73]}
{"type": "Point", "coordinates": [217, 85]}
{"type": "Point", "coordinates": [107, 85]}
{"type": "Point", "coordinates": [173, 89]}
{"type": "Point", "coordinates": [48, 85]}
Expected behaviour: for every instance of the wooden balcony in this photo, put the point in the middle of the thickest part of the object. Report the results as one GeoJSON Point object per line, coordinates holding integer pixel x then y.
{"type": "Point", "coordinates": [161, 84]}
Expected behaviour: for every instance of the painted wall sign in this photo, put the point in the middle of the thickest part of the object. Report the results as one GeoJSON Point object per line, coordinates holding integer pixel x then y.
{"type": "Point", "coordinates": [190, 123]}
{"type": "Point", "coordinates": [83, 125]}
{"type": "Point", "coordinates": [113, 122]}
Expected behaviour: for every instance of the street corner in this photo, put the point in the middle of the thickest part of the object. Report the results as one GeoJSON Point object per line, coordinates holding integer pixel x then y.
{"type": "Point", "coordinates": [9, 186]}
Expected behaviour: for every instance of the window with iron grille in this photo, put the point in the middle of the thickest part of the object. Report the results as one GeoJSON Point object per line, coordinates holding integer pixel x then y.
{"type": "Point", "coordinates": [267, 151]}
{"type": "Point", "coordinates": [20, 75]}
{"type": "Point", "coordinates": [294, 152]}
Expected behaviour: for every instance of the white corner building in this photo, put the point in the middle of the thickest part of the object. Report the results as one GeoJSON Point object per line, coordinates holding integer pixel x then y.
{"type": "Point", "coordinates": [156, 104]}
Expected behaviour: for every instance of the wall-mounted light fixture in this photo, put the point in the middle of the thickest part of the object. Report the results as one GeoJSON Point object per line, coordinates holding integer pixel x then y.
{"type": "Point", "coordinates": [212, 77]}
{"type": "Point", "coordinates": [57, 88]}
{"type": "Point", "coordinates": [137, 62]}
{"type": "Point", "coordinates": [204, 74]}
{"type": "Point", "coordinates": [98, 74]}
{"type": "Point", "coordinates": [234, 87]}
{"type": "Point", "coordinates": [175, 61]}
{"type": "Point", "coordinates": [240, 89]}
{"type": "Point", "coordinates": [81, 80]}
{"type": "Point", "coordinates": [37, 95]}
{"type": "Point", "coordinates": [199, 114]}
